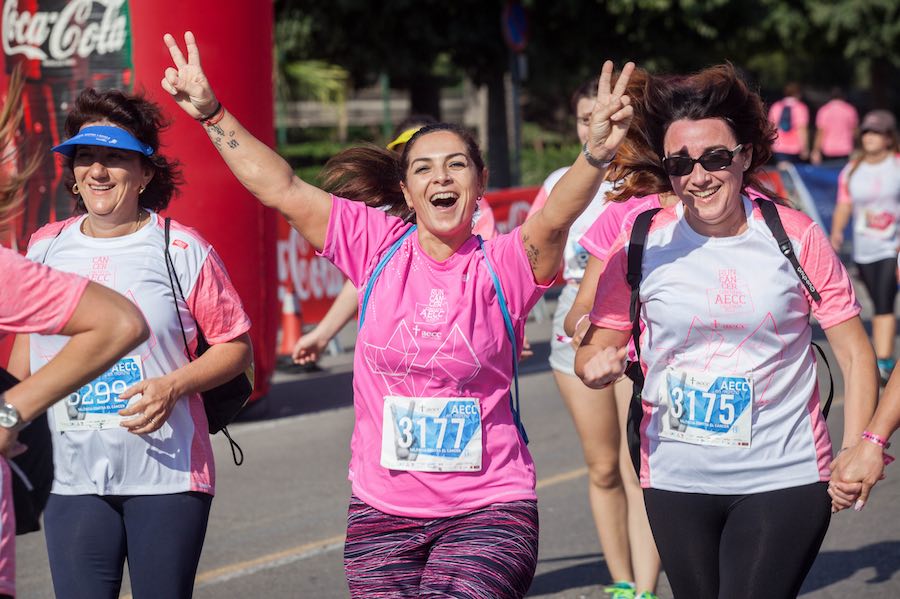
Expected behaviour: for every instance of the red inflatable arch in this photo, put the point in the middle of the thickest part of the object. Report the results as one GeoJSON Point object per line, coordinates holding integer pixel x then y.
{"type": "Point", "coordinates": [67, 45]}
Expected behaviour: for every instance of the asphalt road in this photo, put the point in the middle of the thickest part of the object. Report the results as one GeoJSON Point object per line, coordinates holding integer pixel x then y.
{"type": "Point", "coordinates": [277, 523]}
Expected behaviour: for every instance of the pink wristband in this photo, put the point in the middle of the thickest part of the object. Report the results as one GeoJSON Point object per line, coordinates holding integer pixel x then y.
{"type": "Point", "coordinates": [876, 439]}
{"type": "Point", "coordinates": [580, 320]}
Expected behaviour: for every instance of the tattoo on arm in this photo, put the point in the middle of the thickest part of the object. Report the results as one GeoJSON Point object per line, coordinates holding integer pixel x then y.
{"type": "Point", "coordinates": [533, 254]}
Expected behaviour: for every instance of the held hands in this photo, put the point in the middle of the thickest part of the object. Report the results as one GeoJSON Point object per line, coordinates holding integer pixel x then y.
{"type": "Point", "coordinates": [158, 397]}
{"type": "Point", "coordinates": [612, 113]}
{"type": "Point", "coordinates": [186, 81]}
{"type": "Point", "coordinates": [853, 474]}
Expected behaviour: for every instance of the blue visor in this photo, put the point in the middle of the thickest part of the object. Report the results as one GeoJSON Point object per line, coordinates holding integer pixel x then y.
{"type": "Point", "coordinates": [103, 135]}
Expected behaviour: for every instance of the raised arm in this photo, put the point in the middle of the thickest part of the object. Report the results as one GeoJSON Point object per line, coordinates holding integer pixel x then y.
{"type": "Point", "coordinates": [260, 169]}
{"type": "Point", "coordinates": [544, 234]}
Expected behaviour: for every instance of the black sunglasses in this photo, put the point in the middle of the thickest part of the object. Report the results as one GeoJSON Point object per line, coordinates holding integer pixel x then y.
{"type": "Point", "coordinates": [714, 160]}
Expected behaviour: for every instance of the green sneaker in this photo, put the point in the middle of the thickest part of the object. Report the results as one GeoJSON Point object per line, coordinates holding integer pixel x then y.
{"type": "Point", "coordinates": [620, 590]}
{"type": "Point", "coordinates": [647, 595]}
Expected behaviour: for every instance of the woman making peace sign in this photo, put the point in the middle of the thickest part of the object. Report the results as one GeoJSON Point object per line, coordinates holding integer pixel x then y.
{"type": "Point", "coordinates": [443, 486]}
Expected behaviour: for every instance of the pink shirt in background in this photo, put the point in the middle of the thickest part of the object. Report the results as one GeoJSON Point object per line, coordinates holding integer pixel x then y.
{"type": "Point", "coordinates": [789, 142]}
{"type": "Point", "coordinates": [433, 329]}
{"type": "Point", "coordinates": [33, 299]}
{"type": "Point", "coordinates": [837, 121]}
{"type": "Point", "coordinates": [618, 217]}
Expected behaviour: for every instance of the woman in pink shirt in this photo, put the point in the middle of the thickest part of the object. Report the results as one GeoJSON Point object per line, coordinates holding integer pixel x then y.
{"type": "Point", "coordinates": [102, 325]}
{"type": "Point", "coordinates": [443, 487]}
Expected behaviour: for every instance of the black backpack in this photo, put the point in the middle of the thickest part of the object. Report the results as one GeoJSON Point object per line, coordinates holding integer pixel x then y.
{"type": "Point", "coordinates": [32, 471]}
{"type": "Point", "coordinates": [635, 261]}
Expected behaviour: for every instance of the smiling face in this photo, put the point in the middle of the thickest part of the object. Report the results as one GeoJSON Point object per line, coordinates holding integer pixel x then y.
{"type": "Point", "coordinates": [442, 185]}
{"type": "Point", "coordinates": [712, 200]}
{"type": "Point", "coordinates": [110, 180]}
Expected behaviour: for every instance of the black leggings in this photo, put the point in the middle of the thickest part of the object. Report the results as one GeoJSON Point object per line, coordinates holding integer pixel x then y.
{"type": "Point", "coordinates": [89, 537]}
{"type": "Point", "coordinates": [880, 280]}
{"type": "Point", "coordinates": [739, 546]}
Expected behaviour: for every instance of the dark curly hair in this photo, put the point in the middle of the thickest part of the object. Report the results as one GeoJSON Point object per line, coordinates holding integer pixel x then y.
{"type": "Point", "coordinates": [373, 174]}
{"type": "Point", "coordinates": [718, 92]}
{"type": "Point", "coordinates": [140, 117]}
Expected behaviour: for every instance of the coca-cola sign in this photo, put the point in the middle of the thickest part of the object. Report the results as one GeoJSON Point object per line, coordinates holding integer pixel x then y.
{"type": "Point", "coordinates": [57, 38]}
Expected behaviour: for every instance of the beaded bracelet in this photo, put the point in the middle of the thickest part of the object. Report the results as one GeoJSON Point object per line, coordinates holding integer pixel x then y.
{"type": "Point", "coordinates": [876, 439]}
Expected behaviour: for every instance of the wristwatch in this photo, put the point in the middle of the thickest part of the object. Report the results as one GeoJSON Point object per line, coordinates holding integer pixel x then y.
{"type": "Point", "coordinates": [9, 415]}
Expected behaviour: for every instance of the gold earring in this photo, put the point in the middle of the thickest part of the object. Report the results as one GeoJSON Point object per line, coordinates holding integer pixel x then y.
{"type": "Point", "coordinates": [75, 189]}
{"type": "Point", "coordinates": [141, 190]}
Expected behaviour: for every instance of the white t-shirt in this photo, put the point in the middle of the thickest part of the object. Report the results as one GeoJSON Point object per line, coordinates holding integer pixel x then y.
{"type": "Point", "coordinates": [575, 257]}
{"type": "Point", "coordinates": [177, 457]}
{"type": "Point", "coordinates": [874, 191]}
{"type": "Point", "coordinates": [730, 310]}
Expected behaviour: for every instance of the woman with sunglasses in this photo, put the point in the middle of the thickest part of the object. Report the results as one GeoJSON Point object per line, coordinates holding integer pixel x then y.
{"type": "Point", "coordinates": [734, 450]}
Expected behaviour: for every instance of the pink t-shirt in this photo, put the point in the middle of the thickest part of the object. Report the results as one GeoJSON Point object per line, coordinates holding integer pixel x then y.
{"type": "Point", "coordinates": [837, 121]}
{"type": "Point", "coordinates": [789, 142]}
{"type": "Point", "coordinates": [33, 298]}
{"type": "Point", "coordinates": [25, 304]}
{"type": "Point", "coordinates": [433, 330]}
{"type": "Point", "coordinates": [731, 308]}
{"type": "Point", "coordinates": [618, 217]}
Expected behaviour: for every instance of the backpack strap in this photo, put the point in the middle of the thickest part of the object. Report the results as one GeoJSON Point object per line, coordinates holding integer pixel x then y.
{"type": "Point", "coordinates": [636, 244]}
{"type": "Point", "coordinates": [237, 454]}
{"type": "Point", "coordinates": [511, 333]}
{"type": "Point", "coordinates": [377, 272]}
{"type": "Point", "coordinates": [773, 221]}
{"type": "Point", "coordinates": [635, 264]}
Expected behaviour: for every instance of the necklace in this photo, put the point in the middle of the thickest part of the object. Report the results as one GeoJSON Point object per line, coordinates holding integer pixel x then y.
{"type": "Point", "coordinates": [88, 229]}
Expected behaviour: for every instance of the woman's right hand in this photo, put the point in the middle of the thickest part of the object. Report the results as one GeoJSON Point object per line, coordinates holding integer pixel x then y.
{"type": "Point", "coordinates": [308, 348]}
{"type": "Point", "coordinates": [186, 81]}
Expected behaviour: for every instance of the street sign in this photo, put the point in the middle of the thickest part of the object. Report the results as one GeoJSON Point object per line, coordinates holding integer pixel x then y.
{"type": "Point", "coordinates": [515, 26]}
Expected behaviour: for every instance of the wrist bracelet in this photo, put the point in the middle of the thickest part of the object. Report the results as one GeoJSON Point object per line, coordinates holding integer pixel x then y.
{"type": "Point", "coordinates": [876, 439]}
{"type": "Point", "coordinates": [593, 160]}
{"type": "Point", "coordinates": [214, 117]}
{"type": "Point", "coordinates": [580, 320]}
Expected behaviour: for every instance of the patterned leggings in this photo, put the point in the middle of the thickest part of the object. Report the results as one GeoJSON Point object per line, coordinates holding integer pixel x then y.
{"type": "Point", "coordinates": [490, 553]}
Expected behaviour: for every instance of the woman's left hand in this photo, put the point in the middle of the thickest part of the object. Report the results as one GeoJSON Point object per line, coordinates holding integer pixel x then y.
{"type": "Point", "coordinates": [158, 397]}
